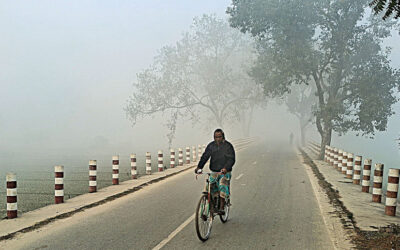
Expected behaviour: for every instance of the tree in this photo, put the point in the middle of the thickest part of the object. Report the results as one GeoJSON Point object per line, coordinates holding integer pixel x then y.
{"type": "Point", "coordinates": [301, 102]}
{"type": "Point", "coordinates": [330, 44]}
{"type": "Point", "coordinates": [390, 7]}
{"type": "Point", "coordinates": [203, 79]}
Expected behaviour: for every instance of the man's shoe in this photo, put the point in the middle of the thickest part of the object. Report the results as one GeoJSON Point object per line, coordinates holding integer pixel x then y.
{"type": "Point", "coordinates": [221, 212]}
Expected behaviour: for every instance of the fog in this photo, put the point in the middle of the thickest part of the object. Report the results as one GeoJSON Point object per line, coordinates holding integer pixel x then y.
{"type": "Point", "coordinates": [66, 72]}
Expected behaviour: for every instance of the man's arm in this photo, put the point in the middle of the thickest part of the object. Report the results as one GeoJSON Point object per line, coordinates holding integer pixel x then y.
{"type": "Point", "coordinates": [204, 158]}
{"type": "Point", "coordinates": [230, 155]}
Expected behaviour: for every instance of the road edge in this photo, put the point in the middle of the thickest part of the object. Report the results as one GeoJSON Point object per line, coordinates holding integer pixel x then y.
{"type": "Point", "coordinates": [337, 219]}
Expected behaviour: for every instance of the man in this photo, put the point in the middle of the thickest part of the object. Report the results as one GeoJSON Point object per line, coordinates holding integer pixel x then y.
{"type": "Point", "coordinates": [222, 159]}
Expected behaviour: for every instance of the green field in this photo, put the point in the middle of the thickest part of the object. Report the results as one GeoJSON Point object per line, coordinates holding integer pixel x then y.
{"type": "Point", "coordinates": [35, 188]}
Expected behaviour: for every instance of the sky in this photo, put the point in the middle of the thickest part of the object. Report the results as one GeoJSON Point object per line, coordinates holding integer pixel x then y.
{"type": "Point", "coordinates": [67, 69]}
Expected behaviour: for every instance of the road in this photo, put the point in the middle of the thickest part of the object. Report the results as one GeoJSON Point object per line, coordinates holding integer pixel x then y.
{"type": "Point", "coordinates": [274, 207]}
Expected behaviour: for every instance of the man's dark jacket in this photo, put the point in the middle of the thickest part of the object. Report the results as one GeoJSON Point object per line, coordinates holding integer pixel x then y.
{"type": "Point", "coordinates": [222, 156]}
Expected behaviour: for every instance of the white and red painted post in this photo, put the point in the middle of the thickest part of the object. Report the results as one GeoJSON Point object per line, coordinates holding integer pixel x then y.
{"type": "Point", "coordinates": [349, 171]}
{"type": "Point", "coordinates": [59, 184]}
{"type": "Point", "coordinates": [187, 155]}
{"type": "Point", "coordinates": [344, 163]}
{"type": "Point", "coordinates": [194, 158]}
{"type": "Point", "coordinates": [180, 157]}
{"type": "Point", "coordinates": [160, 161]}
{"type": "Point", "coordinates": [340, 159]}
{"type": "Point", "coordinates": [148, 163]}
{"type": "Point", "coordinates": [199, 151]}
{"type": "Point", "coordinates": [332, 155]}
{"type": "Point", "coordinates": [92, 176]}
{"type": "Point", "coordinates": [134, 172]}
{"type": "Point", "coordinates": [172, 159]}
{"type": "Point", "coordinates": [326, 153]}
{"type": "Point", "coordinates": [357, 170]}
{"type": "Point", "coordinates": [12, 208]}
{"type": "Point", "coordinates": [336, 159]}
{"type": "Point", "coordinates": [115, 169]}
{"type": "Point", "coordinates": [366, 176]}
{"type": "Point", "coordinates": [391, 192]}
{"type": "Point", "coordinates": [377, 188]}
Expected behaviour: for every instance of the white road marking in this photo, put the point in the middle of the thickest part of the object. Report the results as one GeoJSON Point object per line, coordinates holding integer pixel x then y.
{"type": "Point", "coordinates": [243, 184]}
{"type": "Point", "coordinates": [175, 232]}
{"type": "Point", "coordinates": [240, 176]}
{"type": "Point", "coordinates": [254, 163]}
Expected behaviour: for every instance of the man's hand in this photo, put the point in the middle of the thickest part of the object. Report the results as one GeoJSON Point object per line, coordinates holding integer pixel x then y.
{"type": "Point", "coordinates": [224, 171]}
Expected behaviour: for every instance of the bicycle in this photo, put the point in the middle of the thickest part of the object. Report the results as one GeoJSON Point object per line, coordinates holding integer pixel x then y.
{"type": "Point", "coordinates": [207, 209]}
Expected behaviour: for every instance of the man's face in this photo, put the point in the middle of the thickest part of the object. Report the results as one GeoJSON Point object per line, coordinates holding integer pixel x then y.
{"type": "Point", "coordinates": [218, 137]}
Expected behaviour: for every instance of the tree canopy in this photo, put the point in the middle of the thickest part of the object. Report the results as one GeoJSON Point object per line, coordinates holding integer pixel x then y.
{"type": "Point", "coordinates": [202, 78]}
{"type": "Point", "coordinates": [390, 7]}
{"type": "Point", "coordinates": [331, 44]}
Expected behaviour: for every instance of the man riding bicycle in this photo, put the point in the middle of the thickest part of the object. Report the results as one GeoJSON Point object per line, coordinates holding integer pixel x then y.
{"type": "Point", "coordinates": [222, 160]}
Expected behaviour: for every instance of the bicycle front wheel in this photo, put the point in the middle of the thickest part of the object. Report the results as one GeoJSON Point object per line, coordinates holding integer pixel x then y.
{"type": "Point", "coordinates": [224, 218]}
{"type": "Point", "coordinates": [204, 219]}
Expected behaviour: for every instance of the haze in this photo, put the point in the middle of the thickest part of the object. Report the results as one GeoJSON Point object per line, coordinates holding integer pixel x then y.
{"type": "Point", "coordinates": [67, 68]}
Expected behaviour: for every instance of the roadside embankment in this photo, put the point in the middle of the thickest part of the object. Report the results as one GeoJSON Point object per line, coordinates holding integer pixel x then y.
{"type": "Point", "coordinates": [371, 228]}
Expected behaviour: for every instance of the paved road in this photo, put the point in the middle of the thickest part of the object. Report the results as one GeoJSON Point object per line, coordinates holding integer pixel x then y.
{"type": "Point", "coordinates": [273, 208]}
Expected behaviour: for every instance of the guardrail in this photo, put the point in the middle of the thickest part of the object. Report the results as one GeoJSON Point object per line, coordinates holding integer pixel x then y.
{"type": "Point", "coordinates": [342, 161]}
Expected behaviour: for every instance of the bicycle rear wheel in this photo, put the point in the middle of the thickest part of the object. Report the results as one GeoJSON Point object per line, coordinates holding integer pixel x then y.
{"type": "Point", "coordinates": [204, 219]}
{"type": "Point", "coordinates": [224, 218]}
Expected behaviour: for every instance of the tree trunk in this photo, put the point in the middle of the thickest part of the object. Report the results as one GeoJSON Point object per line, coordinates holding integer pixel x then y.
{"type": "Point", "coordinates": [326, 137]}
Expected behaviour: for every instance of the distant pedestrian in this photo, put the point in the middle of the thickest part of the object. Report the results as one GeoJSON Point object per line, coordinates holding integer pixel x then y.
{"type": "Point", "coordinates": [291, 138]}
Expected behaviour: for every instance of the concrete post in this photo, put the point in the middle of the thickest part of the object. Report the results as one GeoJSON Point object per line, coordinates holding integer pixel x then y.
{"type": "Point", "coordinates": [357, 170]}
{"type": "Point", "coordinates": [340, 159]}
{"type": "Point", "coordinates": [12, 208]}
{"type": "Point", "coordinates": [328, 154]}
{"type": "Point", "coordinates": [180, 157]}
{"type": "Point", "coordinates": [391, 192]}
{"type": "Point", "coordinates": [92, 176]}
{"type": "Point", "coordinates": [172, 159]}
{"type": "Point", "coordinates": [160, 161]}
{"type": "Point", "coordinates": [148, 163]}
{"type": "Point", "coordinates": [377, 188]}
{"type": "Point", "coordinates": [134, 172]}
{"type": "Point", "coordinates": [332, 155]}
{"type": "Point", "coordinates": [115, 168]}
{"type": "Point", "coordinates": [194, 158]}
{"type": "Point", "coordinates": [349, 172]}
{"type": "Point", "coordinates": [366, 176]}
{"type": "Point", "coordinates": [59, 184]}
{"type": "Point", "coordinates": [344, 163]}
{"type": "Point", "coordinates": [199, 151]}
{"type": "Point", "coordinates": [187, 155]}
{"type": "Point", "coordinates": [336, 159]}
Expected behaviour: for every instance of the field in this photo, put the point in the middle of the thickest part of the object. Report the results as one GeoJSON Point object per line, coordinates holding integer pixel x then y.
{"type": "Point", "coordinates": [35, 188]}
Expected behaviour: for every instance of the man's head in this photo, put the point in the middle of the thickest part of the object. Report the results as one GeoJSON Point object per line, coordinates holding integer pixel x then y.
{"type": "Point", "coordinates": [219, 136]}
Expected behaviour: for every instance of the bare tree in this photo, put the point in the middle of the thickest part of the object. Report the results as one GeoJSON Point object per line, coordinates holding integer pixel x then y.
{"type": "Point", "coordinates": [202, 78]}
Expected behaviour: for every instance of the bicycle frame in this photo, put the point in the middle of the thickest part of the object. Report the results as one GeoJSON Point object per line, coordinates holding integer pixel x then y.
{"type": "Point", "coordinates": [209, 198]}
